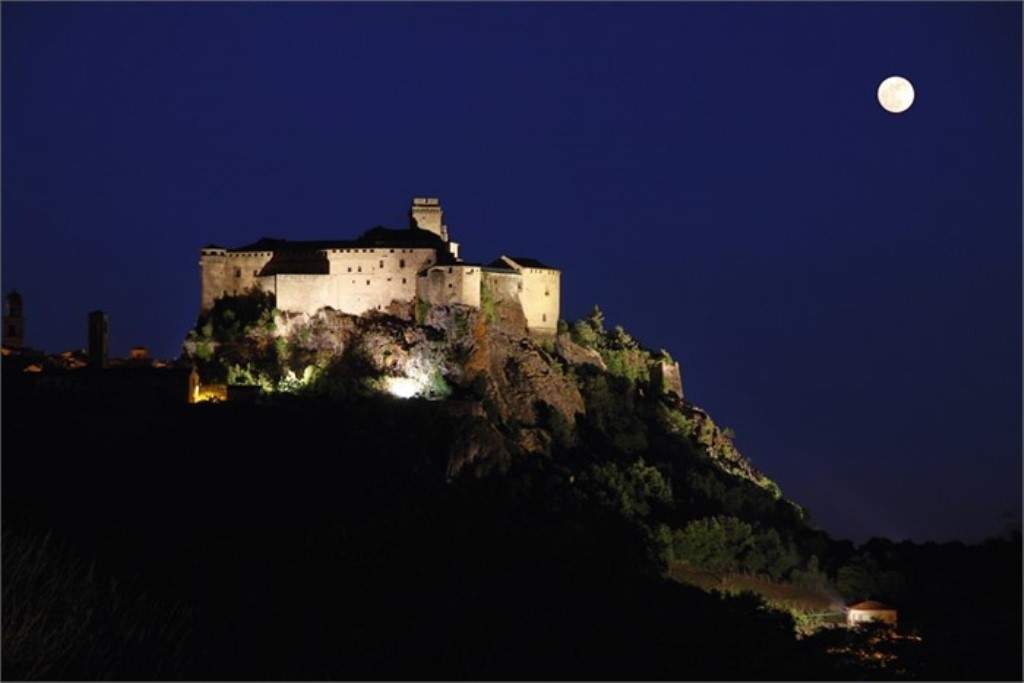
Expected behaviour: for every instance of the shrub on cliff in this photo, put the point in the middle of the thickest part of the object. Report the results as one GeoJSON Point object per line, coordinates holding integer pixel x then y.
{"type": "Point", "coordinates": [621, 353]}
{"type": "Point", "coordinates": [234, 340]}
{"type": "Point", "coordinates": [723, 544]}
{"type": "Point", "coordinates": [630, 490]}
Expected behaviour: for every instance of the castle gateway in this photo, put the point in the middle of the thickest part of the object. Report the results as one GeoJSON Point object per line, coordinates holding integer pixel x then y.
{"type": "Point", "coordinates": [381, 267]}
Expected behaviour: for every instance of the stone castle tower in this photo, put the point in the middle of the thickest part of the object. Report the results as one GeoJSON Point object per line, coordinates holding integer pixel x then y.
{"type": "Point", "coordinates": [14, 321]}
{"type": "Point", "coordinates": [426, 214]}
{"type": "Point", "coordinates": [99, 329]}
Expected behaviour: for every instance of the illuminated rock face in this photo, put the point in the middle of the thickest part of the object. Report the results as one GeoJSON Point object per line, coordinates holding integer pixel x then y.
{"type": "Point", "coordinates": [378, 269]}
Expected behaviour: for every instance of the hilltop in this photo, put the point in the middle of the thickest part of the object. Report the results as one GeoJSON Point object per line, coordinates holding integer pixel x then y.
{"type": "Point", "coordinates": [428, 493]}
{"type": "Point", "coordinates": [583, 389]}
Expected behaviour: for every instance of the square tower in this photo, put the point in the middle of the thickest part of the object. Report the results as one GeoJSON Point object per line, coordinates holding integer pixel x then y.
{"type": "Point", "coordinates": [14, 321]}
{"type": "Point", "coordinates": [99, 328]}
{"type": "Point", "coordinates": [426, 214]}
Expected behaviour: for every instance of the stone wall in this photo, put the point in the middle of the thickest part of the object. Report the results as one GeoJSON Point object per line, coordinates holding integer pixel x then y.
{"type": "Point", "coordinates": [455, 284]}
{"type": "Point", "coordinates": [222, 272]}
{"type": "Point", "coordinates": [304, 293]}
{"type": "Point", "coordinates": [541, 298]}
{"type": "Point", "coordinates": [667, 378]}
{"type": "Point", "coordinates": [349, 280]}
{"type": "Point", "coordinates": [503, 285]}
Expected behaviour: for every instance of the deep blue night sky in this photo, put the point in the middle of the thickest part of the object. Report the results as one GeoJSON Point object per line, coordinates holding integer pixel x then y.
{"type": "Point", "coordinates": [841, 285]}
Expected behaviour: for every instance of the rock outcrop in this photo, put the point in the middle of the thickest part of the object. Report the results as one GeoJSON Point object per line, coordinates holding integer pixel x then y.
{"type": "Point", "coordinates": [508, 393]}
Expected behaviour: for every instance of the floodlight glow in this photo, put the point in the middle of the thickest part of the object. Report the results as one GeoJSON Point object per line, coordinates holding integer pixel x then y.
{"type": "Point", "coordinates": [403, 387]}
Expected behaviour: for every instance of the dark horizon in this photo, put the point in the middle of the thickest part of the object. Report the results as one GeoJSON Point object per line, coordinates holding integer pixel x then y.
{"type": "Point", "coordinates": [841, 286]}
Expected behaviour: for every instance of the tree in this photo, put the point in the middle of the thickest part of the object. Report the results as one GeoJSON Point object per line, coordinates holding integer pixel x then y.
{"type": "Point", "coordinates": [632, 491]}
{"type": "Point", "coordinates": [856, 579]}
{"type": "Point", "coordinates": [714, 544]}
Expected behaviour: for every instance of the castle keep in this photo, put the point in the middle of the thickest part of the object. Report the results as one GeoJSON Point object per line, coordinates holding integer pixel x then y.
{"type": "Point", "coordinates": [381, 268]}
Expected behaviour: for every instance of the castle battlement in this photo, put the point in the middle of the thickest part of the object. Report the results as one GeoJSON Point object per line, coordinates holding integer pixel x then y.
{"type": "Point", "coordinates": [378, 269]}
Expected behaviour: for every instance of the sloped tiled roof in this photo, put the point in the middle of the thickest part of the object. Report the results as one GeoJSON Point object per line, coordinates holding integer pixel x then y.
{"type": "Point", "coordinates": [871, 605]}
{"type": "Point", "coordinates": [527, 262]}
{"type": "Point", "coordinates": [375, 237]}
{"type": "Point", "coordinates": [522, 261]}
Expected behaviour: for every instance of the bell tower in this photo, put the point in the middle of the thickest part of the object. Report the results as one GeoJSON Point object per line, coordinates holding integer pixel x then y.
{"type": "Point", "coordinates": [14, 321]}
{"type": "Point", "coordinates": [426, 214]}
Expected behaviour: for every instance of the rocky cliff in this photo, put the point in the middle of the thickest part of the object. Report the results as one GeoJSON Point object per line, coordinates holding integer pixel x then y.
{"type": "Point", "coordinates": [584, 389]}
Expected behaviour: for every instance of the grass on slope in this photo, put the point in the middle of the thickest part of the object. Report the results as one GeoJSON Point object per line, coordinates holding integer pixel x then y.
{"type": "Point", "coordinates": [812, 607]}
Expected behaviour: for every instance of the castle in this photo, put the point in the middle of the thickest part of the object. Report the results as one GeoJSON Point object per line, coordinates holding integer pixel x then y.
{"type": "Point", "coordinates": [380, 269]}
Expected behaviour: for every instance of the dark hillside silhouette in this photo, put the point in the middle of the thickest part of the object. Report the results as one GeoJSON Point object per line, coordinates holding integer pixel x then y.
{"type": "Point", "coordinates": [310, 539]}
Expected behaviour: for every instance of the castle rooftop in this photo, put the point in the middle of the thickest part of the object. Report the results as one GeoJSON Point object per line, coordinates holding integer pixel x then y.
{"type": "Point", "coordinates": [522, 261]}
{"type": "Point", "coordinates": [375, 237]}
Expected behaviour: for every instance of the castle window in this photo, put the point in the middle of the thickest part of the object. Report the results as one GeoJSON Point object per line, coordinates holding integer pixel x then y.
{"type": "Point", "coordinates": [544, 317]}
{"type": "Point", "coordinates": [382, 264]}
{"type": "Point", "coordinates": [403, 280]}
{"type": "Point", "coordinates": [547, 293]}
{"type": "Point", "coordinates": [449, 269]}
{"type": "Point", "coordinates": [367, 282]}
{"type": "Point", "coordinates": [350, 269]}
{"type": "Point", "coordinates": [449, 285]}
{"type": "Point", "coordinates": [238, 272]}
{"type": "Point", "coordinates": [401, 263]}
{"type": "Point", "coordinates": [360, 269]}
{"type": "Point", "coordinates": [391, 251]}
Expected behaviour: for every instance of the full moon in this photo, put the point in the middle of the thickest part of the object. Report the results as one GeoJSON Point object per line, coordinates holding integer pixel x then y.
{"type": "Point", "coordinates": [895, 94]}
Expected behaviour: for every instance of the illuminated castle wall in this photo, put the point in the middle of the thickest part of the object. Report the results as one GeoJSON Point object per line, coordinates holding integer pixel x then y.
{"type": "Point", "coordinates": [379, 268]}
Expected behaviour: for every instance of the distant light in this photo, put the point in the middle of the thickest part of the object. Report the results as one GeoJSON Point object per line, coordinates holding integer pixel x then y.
{"type": "Point", "coordinates": [403, 387]}
{"type": "Point", "coordinates": [210, 392]}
